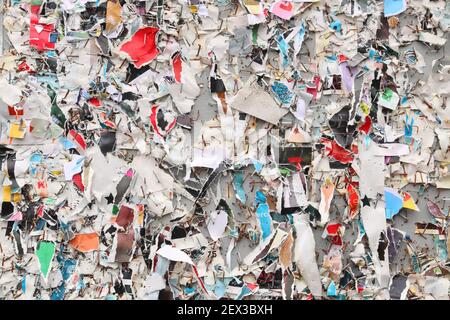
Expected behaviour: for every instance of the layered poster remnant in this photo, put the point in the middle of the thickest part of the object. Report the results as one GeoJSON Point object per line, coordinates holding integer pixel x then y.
{"type": "Point", "coordinates": [224, 149]}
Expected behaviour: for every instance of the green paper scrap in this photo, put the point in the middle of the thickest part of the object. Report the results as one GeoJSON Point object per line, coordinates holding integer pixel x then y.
{"type": "Point", "coordinates": [285, 172]}
{"type": "Point", "coordinates": [58, 116]}
{"type": "Point", "coordinates": [45, 251]}
{"type": "Point", "coordinates": [255, 34]}
{"type": "Point", "coordinates": [387, 94]}
{"type": "Point", "coordinates": [49, 201]}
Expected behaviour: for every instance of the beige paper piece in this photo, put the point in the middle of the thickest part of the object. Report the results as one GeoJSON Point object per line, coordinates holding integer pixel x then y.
{"type": "Point", "coordinates": [258, 103]}
{"type": "Point", "coordinates": [305, 255]}
{"type": "Point", "coordinates": [326, 196]}
{"type": "Point", "coordinates": [286, 252]}
{"type": "Point", "coordinates": [113, 12]}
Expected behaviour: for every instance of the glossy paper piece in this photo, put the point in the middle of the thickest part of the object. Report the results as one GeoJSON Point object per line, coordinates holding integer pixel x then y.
{"type": "Point", "coordinates": [394, 7]}
{"type": "Point", "coordinates": [45, 251]}
{"type": "Point", "coordinates": [85, 242]}
{"type": "Point", "coordinates": [326, 196]}
{"type": "Point", "coordinates": [125, 217]}
{"type": "Point", "coordinates": [394, 202]}
{"type": "Point", "coordinates": [283, 9]}
{"type": "Point", "coordinates": [113, 15]}
{"type": "Point", "coordinates": [42, 35]}
{"type": "Point", "coordinates": [238, 181]}
{"type": "Point", "coordinates": [409, 203]}
{"type": "Point", "coordinates": [262, 212]}
{"type": "Point", "coordinates": [141, 48]}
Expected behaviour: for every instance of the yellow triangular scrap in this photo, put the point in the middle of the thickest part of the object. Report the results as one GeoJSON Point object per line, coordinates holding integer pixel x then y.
{"type": "Point", "coordinates": [253, 6]}
{"type": "Point", "coordinates": [409, 203]}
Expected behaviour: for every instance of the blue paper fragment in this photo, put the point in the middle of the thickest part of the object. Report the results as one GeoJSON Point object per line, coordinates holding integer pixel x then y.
{"type": "Point", "coordinates": [331, 291]}
{"type": "Point", "coordinates": [262, 212]}
{"type": "Point", "coordinates": [394, 202]}
{"type": "Point", "coordinates": [394, 7]}
{"type": "Point", "coordinates": [238, 181]}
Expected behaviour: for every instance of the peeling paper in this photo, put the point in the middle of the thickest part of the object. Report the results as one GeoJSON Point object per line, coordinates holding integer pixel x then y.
{"type": "Point", "coordinates": [141, 48]}
{"type": "Point", "coordinates": [186, 150]}
{"type": "Point", "coordinates": [305, 256]}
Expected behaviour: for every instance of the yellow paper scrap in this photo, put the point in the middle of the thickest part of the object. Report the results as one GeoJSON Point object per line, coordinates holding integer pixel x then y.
{"type": "Point", "coordinates": [17, 130]}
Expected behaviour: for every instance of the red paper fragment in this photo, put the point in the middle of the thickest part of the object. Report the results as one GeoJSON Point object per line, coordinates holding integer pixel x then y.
{"type": "Point", "coordinates": [141, 48]}
{"type": "Point", "coordinates": [365, 127]}
{"type": "Point", "coordinates": [95, 102]}
{"type": "Point", "coordinates": [314, 90]}
{"type": "Point", "coordinates": [353, 200]}
{"type": "Point", "coordinates": [39, 32]}
{"type": "Point", "coordinates": [161, 123]}
{"type": "Point", "coordinates": [77, 138]}
{"type": "Point", "coordinates": [125, 217]}
{"type": "Point", "coordinates": [334, 150]}
{"type": "Point", "coordinates": [13, 111]}
{"type": "Point", "coordinates": [177, 68]}
{"type": "Point", "coordinates": [77, 181]}
{"type": "Point", "coordinates": [333, 228]}
{"type": "Point", "coordinates": [23, 66]}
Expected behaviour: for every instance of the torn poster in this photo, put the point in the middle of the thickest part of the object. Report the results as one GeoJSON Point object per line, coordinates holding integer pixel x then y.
{"type": "Point", "coordinates": [194, 150]}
